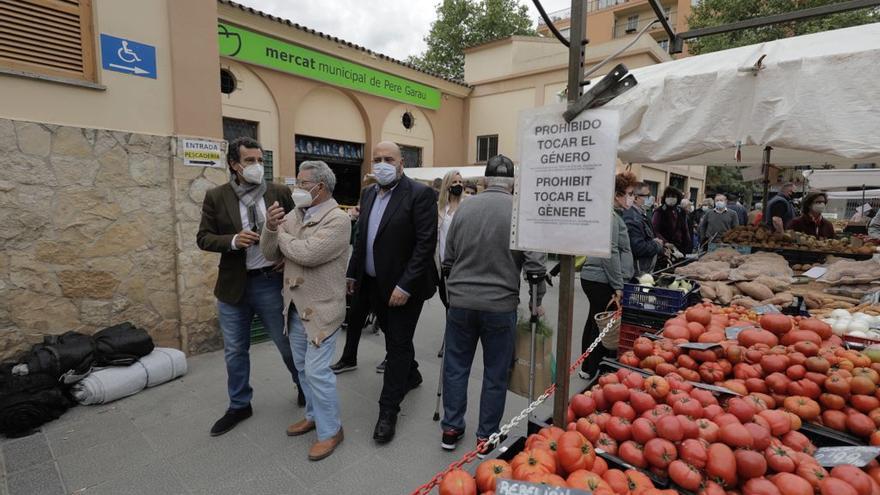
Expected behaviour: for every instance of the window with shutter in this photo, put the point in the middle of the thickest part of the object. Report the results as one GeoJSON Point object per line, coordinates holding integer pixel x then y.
{"type": "Point", "coordinates": [50, 37]}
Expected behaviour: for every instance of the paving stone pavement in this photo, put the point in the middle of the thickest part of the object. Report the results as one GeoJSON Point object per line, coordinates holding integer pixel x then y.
{"type": "Point", "coordinates": [157, 442]}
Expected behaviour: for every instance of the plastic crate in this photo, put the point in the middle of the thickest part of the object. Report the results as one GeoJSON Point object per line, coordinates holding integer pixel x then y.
{"type": "Point", "coordinates": [629, 332]}
{"type": "Point", "coordinates": [658, 299]}
{"type": "Point", "coordinates": [860, 342]}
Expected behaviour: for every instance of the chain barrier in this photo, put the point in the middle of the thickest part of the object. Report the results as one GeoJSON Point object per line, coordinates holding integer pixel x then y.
{"type": "Point", "coordinates": [506, 428]}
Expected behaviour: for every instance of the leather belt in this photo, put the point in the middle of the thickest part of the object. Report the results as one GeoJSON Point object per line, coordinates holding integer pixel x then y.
{"type": "Point", "coordinates": [260, 271]}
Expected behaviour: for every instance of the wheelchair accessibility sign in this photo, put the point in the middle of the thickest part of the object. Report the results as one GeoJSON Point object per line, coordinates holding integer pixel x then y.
{"type": "Point", "coordinates": [129, 57]}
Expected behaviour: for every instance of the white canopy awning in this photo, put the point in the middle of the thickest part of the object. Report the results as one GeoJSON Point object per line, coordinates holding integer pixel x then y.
{"type": "Point", "coordinates": [869, 194]}
{"type": "Point", "coordinates": [840, 179]}
{"type": "Point", "coordinates": [815, 102]}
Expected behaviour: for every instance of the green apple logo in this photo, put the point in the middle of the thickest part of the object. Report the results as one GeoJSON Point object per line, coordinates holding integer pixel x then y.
{"type": "Point", "coordinates": [230, 42]}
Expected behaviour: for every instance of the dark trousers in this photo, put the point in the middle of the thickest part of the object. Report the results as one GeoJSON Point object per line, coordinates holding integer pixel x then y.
{"type": "Point", "coordinates": [398, 325]}
{"type": "Point", "coordinates": [599, 295]}
{"type": "Point", "coordinates": [355, 318]}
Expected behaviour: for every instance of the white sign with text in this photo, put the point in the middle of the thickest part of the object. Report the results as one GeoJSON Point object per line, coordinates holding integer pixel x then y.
{"type": "Point", "coordinates": [565, 182]}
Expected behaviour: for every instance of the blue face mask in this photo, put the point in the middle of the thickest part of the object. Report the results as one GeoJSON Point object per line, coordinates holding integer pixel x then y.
{"type": "Point", "coordinates": [385, 173]}
{"type": "Point", "coordinates": [649, 201]}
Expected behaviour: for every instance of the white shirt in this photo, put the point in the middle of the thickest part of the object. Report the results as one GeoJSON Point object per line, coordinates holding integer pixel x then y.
{"type": "Point", "coordinates": [445, 222]}
{"type": "Point", "coordinates": [255, 258]}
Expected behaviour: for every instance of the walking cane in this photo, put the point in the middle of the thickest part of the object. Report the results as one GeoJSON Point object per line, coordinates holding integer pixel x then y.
{"type": "Point", "coordinates": [534, 278]}
{"type": "Point", "coordinates": [442, 354]}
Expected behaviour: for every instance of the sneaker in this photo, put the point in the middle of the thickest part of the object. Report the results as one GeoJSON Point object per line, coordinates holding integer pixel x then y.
{"type": "Point", "coordinates": [583, 375]}
{"type": "Point", "coordinates": [490, 448]}
{"type": "Point", "coordinates": [230, 419]}
{"type": "Point", "coordinates": [380, 368]}
{"type": "Point", "coordinates": [343, 366]}
{"type": "Point", "coordinates": [451, 437]}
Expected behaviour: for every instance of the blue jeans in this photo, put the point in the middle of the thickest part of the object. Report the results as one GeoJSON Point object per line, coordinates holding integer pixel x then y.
{"type": "Point", "coordinates": [317, 380]}
{"type": "Point", "coordinates": [262, 296]}
{"type": "Point", "coordinates": [495, 331]}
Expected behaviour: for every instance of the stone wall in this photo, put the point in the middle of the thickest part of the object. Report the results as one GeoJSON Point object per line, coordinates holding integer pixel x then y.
{"type": "Point", "coordinates": [93, 227]}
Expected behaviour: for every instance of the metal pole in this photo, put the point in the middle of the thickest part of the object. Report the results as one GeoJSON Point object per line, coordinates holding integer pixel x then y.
{"type": "Point", "coordinates": [565, 323]}
{"type": "Point", "coordinates": [533, 328]}
{"type": "Point", "coordinates": [765, 164]}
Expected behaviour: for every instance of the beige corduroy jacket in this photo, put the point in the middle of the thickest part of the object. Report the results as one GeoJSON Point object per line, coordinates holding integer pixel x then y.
{"type": "Point", "coordinates": [315, 256]}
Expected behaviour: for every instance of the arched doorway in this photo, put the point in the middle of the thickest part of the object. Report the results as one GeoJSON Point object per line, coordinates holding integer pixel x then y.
{"type": "Point", "coordinates": [329, 127]}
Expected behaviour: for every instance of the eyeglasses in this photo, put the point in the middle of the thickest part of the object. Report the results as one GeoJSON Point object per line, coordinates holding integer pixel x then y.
{"type": "Point", "coordinates": [644, 195]}
{"type": "Point", "coordinates": [386, 159]}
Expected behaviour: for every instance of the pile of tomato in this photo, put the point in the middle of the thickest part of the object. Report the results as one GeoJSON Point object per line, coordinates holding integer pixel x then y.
{"type": "Point", "coordinates": [676, 432]}
{"type": "Point", "coordinates": [777, 362]}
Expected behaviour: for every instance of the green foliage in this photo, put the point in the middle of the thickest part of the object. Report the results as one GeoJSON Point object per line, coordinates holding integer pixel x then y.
{"type": "Point", "coordinates": [464, 23]}
{"type": "Point", "coordinates": [710, 13]}
{"type": "Point", "coordinates": [729, 180]}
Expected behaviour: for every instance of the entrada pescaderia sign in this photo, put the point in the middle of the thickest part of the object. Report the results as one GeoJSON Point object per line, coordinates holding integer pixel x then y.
{"type": "Point", "coordinates": [248, 46]}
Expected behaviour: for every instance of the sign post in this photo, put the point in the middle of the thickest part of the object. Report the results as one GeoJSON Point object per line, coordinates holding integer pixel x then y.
{"type": "Point", "coordinates": [565, 321]}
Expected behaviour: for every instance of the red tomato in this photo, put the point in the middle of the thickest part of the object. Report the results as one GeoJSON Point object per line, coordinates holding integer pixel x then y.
{"type": "Point", "coordinates": [812, 472]}
{"type": "Point", "coordinates": [669, 427]}
{"type": "Point", "coordinates": [693, 452]}
{"type": "Point", "coordinates": [589, 429]}
{"type": "Point", "coordinates": [583, 405]}
{"type": "Point", "coordinates": [798, 442]}
{"type": "Point", "coordinates": [760, 435]}
{"type": "Point", "coordinates": [641, 401]}
{"type": "Point", "coordinates": [709, 431]}
{"type": "Point", "coordinates": [574, 452]}
{"type": "Point", "coordinates": [458, 482]}
{"type": "Point", "coordinates": [488, 473]}
{"type": "Point", "coordinates": [643, 430]}
{"type": "Point", "coordinates": [749, 464]}
{"type": "Point", "coordinates": [742, 408]}
{"type": "Point", "coordinates": [855, 477]}
{"type": "Point", "coordinates": [721, 464]}
{"type": "Point", "coordinates": [685, 475]}
{"type": "Point", "coordinates": [688, 407]}
{"type": "Point", "coordinates": [834, 486]}
{"type": "Point", "coordinates": [632, 453]}
{"type": "Point", "coordinates": [760, 486]}
{"type": "Point", "coordinates": [623, 410]}
{"type": "Point", "coordinates": [659, 452]}
{"type": "Point", "coordinates": [619, 429]}
{"type": "Point", "coordinates": [780, 459]}
{"type": "Point", "coordinates": [607, 444]}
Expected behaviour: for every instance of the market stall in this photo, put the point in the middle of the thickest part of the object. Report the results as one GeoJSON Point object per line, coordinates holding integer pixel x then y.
{"type": "Point", "coordinates": [724, 381]}
{"type": "Point", "coordinates": [851, 195]}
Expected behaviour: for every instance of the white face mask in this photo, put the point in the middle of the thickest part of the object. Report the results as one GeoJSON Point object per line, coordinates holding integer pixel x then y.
{"type": "Point", "coordinates": [629, 201]}
{"type": "Point", "coordinates": [720, 205]}
{"type": "Point", "coordinates": [671, 201]}
{"type": "Point", "coordinates": [253, 173]}
{"type": "Point", "coordinates": [818, 207]}
{"type": "Point", "coordinates": [649, 201]}
{"type": "Point", "coordinates": [705, 208]}
{"type": "Point", "coordinates": [385, 173]}
{"type": "Point", "coordinates": [302, 198]}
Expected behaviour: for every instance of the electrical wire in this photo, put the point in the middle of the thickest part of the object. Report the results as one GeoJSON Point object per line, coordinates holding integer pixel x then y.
{"type": "Point", "coordinates": [549, 23]}
{"type": "Point", "coordinates": [618, 52]}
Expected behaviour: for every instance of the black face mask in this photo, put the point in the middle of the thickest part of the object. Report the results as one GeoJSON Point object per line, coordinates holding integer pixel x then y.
{"type": "Point", "coordinates": [456, 190]}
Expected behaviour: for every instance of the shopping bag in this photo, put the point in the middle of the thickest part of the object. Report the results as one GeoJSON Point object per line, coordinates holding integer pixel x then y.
{"type": "Point", "coordinates": [545, 364]}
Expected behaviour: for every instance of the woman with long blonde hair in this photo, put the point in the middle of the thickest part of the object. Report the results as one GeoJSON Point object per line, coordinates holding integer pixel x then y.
{"type": "Point", "coordinates": [451, 190]}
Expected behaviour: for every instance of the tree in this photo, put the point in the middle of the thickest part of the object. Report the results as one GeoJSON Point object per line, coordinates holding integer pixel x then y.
{"type": "Point", "coordinates": [710, 13]}
{"type": "Point", "coordinates": [464, 23]}
{"type": "Point", "coordinates": [729, 180]}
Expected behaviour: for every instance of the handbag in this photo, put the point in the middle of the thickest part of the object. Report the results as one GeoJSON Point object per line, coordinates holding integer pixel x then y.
{"type": "Point", "coordinates": [612, 338]}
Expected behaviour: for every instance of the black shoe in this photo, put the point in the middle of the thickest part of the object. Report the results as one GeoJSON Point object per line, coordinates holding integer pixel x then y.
{"type": "Point", "coordinates": [414, 383]}
{"type": "Point", "coordinates": [451, 437]}
{"type": "Point", "coordinates": [343, 366]}
{"type": "Point", "coordinates": [385, 427]}
{"type": "Point", "coordinates": [230, 419]}
{"type": "Point", "coordinates": [490, 448]}
{"type": "Point", "coordinates": [380, 368]}
{"type": "Point", "coordinates": [300, 397]}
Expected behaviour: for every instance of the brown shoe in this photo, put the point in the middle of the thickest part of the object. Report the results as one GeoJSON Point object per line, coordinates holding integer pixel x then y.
{"type": "Point", "coordinates": [324, 448]}
{"type": "Point", "coordinates": [301, 427]}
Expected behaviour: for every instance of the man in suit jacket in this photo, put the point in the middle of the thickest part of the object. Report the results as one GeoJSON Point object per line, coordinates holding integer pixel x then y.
{"type": "Point", "coordinates": [232, 217]}
{"type": "Point", "coordinates": [392, 266]}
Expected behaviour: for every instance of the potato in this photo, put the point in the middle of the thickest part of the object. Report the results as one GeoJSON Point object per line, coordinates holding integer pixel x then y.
{"type": "Point", "coordinates": [755, 290]}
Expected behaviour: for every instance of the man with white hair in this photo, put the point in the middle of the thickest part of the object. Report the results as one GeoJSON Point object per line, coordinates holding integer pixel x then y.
{"type": "Point", "coordinates": [313, 243]}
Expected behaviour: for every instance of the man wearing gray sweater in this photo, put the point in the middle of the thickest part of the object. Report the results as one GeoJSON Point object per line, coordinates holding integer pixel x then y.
{"type": "Point", "coordinates": [483, 288]}
{"type": "Point", "coordinates": [716, 222]}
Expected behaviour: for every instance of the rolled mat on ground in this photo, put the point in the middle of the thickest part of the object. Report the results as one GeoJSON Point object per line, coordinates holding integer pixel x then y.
{"type": "Point", "coordinates": [109, 384]}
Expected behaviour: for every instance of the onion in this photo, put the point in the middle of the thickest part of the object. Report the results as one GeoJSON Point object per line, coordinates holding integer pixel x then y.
{"type": "Point", "coordinates": [861, 335]}
{"type": "Point", "coordinates": [830, 321]}
{"type": "Point", "coordinates": [839, 328]}
{"type": "Point", "coordinates": [862, 316]}
{"type": "Point", "coordinates": [840, 313]}
{"type": "Point", "coordinates": [857, 326]}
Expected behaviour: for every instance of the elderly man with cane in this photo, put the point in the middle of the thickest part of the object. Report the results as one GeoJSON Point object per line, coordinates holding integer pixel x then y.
{"type": "Point", "coordinates": [483, 289]}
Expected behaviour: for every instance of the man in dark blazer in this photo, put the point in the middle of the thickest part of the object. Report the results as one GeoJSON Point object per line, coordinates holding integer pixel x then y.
{"type": "Point", "coordinates": [392, 266]}
{"type": "Point", "coordinates": [232, 218]}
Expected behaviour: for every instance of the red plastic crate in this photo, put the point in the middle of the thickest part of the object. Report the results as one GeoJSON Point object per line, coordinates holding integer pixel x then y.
{"type": "Point", "coordinates": [628, 335]}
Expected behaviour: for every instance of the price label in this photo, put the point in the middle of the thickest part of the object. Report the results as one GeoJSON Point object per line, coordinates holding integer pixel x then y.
{"type": "Point", "coordinates": [731, 333]}
{"type": "Point", "coordinates": [510, 487]}
{"type": "Point", "coordinates": [700, 346]}
{"type": "Point", "coordinates": [714, 388]}
{"type": "Point", "coordinates": [766, 309]}
{"type": "Point", "coordinates": [835, 456]}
